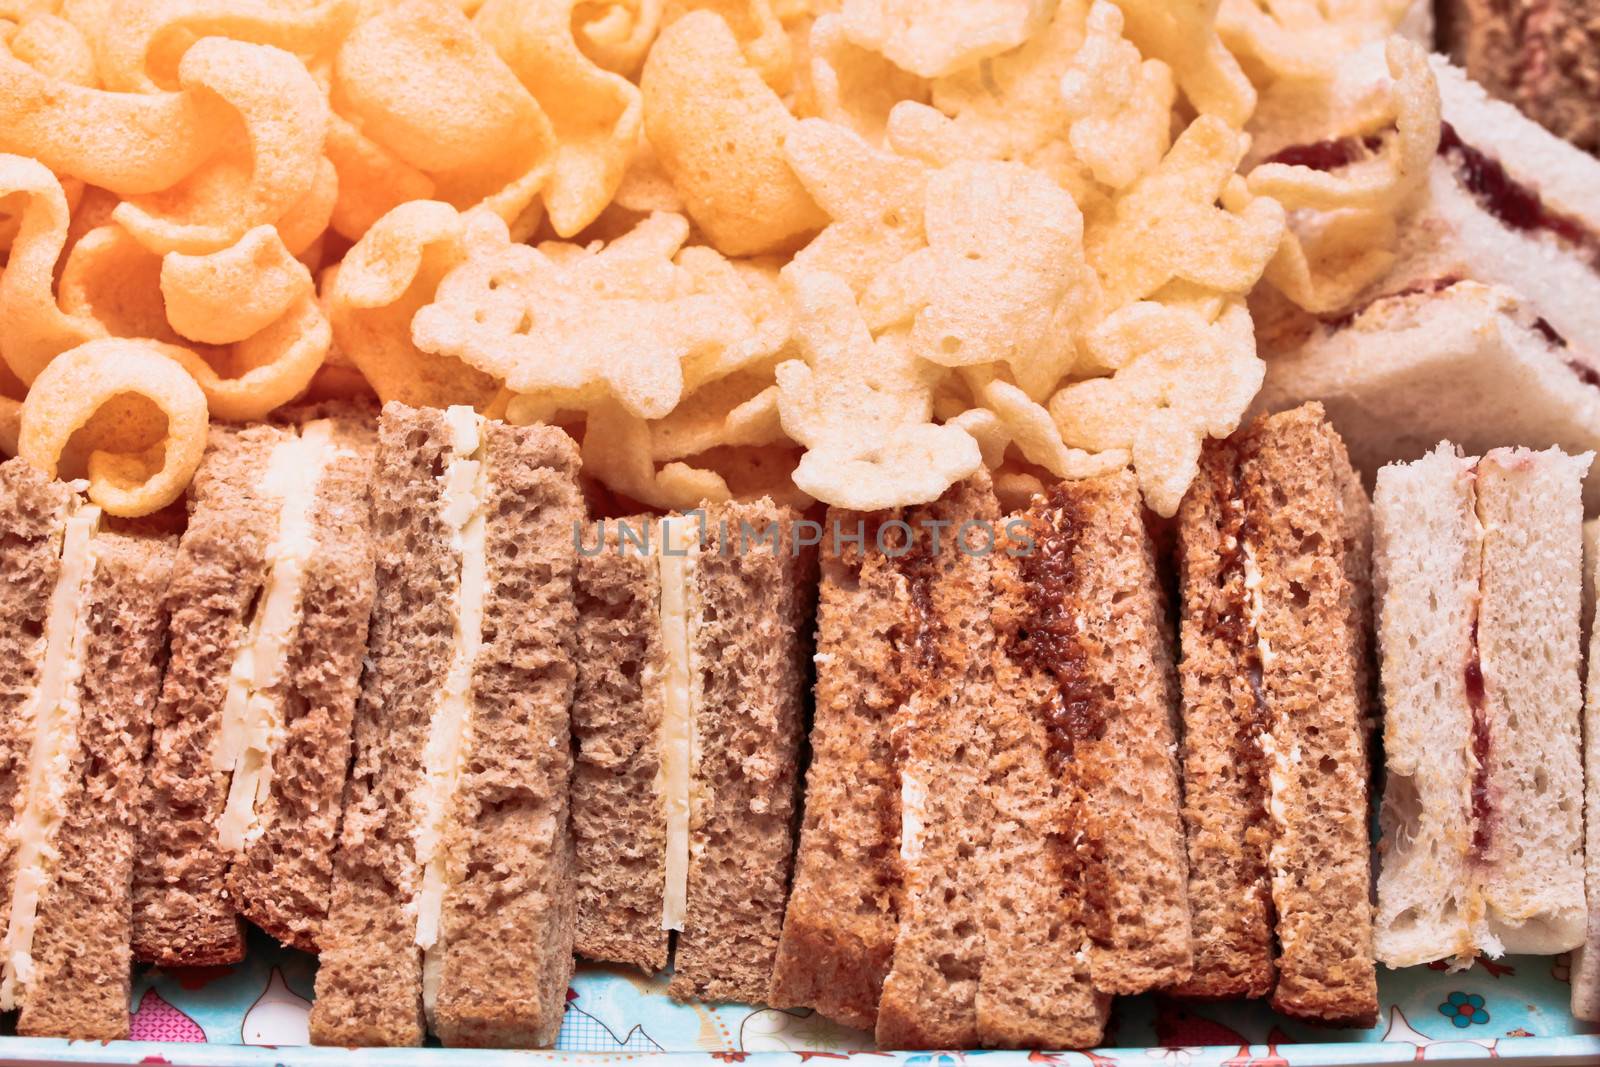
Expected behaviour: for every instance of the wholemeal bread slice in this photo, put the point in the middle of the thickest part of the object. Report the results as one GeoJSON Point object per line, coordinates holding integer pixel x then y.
{"type": "Point", "coordinates": [751, 594]}
{"type": "Point", "coordinates": [1427, 566]}
{"type": "Point", "coordinates": [839, 929]}
{"type": "Point", "coordinates": [618, 815]}
{"type": "Point", "coordinates": [942, 750]}
{"type": "Point", "coordinates": [1307, 546]}
{"type": "Point", "coordinates": [1224, 717]}
{"type": "Point", "coordinates": [270, 598]}
{"type": "Point", "coordinates": [454, 882]}
{"type": "Point", "coordinates": [87, 632]}
{"type": "Point", "coordinates": [80, 956]}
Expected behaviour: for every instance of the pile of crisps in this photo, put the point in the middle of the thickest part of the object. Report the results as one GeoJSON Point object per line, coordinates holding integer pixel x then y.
{"type": "Point", "coordinates": [837, 250]}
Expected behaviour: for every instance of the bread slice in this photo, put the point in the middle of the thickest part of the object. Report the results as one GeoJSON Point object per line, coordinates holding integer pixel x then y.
{"type": "Point", "coordinates": [751, 596]}
{"type": "Point", "coordinates": [81, 965]}
{"type": "Point", "coordinates": [1464, 362]}
{"type": "Point", "coordinates": [271, 594]}
{"type": "Point", "coordinates": [454, 882]}
{"type": "Point", "coordinates": [1586, 960]}
{"type": "Point", "coordinates": [1225, 786]}
{"type": "Point", "coordinates": [1427, 565]}
{"type": "Point", "coordinates": [618, 815]}
{"type": "Point", "coordinates": [1532, 512]}
{"type": "Point", "coordinates": [87, 632]}
{"type": "Point", "coordinates": [839, 929]}
{"type": "Point", "coordinates": [1086, 884]}
{"type": "Point", "coordinates": [942, 751]}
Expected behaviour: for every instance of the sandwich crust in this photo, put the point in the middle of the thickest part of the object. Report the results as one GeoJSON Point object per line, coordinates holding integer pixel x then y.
{"type": "Point", "coordinates": [839, 929]}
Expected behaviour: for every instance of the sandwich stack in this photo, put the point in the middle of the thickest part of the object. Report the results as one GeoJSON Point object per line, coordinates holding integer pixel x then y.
{"type": "Point", "coordinates": [452, 904]}
{"type": "Point", "coordinates": [688, 718]}
{"type": "Point", "coordinates": [1009, 851]}
{"type": "Point", "coordinates": [1479, 582]}
{"type": "Point", "coordinates": [1273, 537]}
{"type": "Point", "coordinates": [269, 600]}
{"type": "Point", "coordinates": [85, 637]}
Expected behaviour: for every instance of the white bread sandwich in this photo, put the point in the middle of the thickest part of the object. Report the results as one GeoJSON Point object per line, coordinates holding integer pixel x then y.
{"type": "Point", "coordinates": [1422, 354]}
{"type": "Point", "coordinates": [269, 602]}
{"type": "Point", "coordinates": [452, 900]}
{"type": "Point", "coordinates": [688, 720]}
{"type": "Point", "coordinates": [1273, 537]}
{"type": "Point", "coordinates": [85, 638]}
{"type": "Point", "coordinates": [1586, 961]}
{"type": "Point", "coordinates": [992, 841]}
{"type": "Point", "coordinates": [1478, 575]}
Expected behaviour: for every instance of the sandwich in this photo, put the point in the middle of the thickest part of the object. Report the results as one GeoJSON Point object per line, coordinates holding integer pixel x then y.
{"type": "Point", "coordinates": [1478, 576]}
{"type": "Point", "coordinates": [839, 927]}
{"type": "Point", "coordinates": [1483, 331]}
{"type": "Point", "coordinates": [976, 866]}
{"type": "Point", "coordinates": [84, 642]}
{"type": "Point", "coordinates": [452, 904]}
{"type": "Point", "coordinates": [1273, 538]}
{"type": "Point", "coordinates": [688, 720]}
{"type": "Point", "coordinates": [269, 601]}
{"type": "Point", "coordinates": [1586, 960]}
{"type": "Point", "coordinates": [1541, 55]}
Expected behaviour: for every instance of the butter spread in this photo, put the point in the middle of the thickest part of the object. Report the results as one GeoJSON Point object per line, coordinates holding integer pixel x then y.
{"type": "Point", "coordinates": [465, 493]}
{"type": "Point", "coordinates": [677, 549]}
{"type": "Point", "coordinates": [913, 812]}
{"type": "Point", "coordinates": [252, 724]}
{"type": "Point", "coordinates": [51, 715]}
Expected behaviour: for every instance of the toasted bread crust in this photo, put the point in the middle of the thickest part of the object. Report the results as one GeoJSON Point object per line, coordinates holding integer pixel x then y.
{"type": "Point", "coordinates": [753, 647]}
{"type": "Point", "coordinates": [508, 918]}
{"type": "Point", "coordinates": [929, 997]}
{"type": "Point", "coordinates": [281, 881]}
{"type": "Point", "coordinates": [1225, 770]}
{"type": "Point", "coordinates": [839, 929]}
{"type": "Point", "coordinates": [618, 824]}
{"type": "Point", "coordinates": [81, 957]}
{"type": "Point", "coordinates": [183, 914]}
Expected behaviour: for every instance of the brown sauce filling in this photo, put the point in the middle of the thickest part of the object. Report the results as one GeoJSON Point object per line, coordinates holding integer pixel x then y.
{"type": "Point", "coordinates": [1052, 644]}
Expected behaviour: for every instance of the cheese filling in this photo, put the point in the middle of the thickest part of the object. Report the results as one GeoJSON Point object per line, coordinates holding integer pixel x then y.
{"type": "Point", "coordinates": [1281, 761]}
{"type": "Point", "coordinates": [252, 726]}
{"type": "Point", "coordinates": [51, 716]}
{"type": "Point", "coordinates": [678, 547]}
{"type": "Point", "coordinates": [466, 492]}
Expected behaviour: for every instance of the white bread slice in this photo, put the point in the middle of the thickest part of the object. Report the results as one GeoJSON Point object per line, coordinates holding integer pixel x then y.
{"type": "Point", "coordinates": [1586, 961]}
{"type": "Point", "coordinates": [1532, 514]}
{"type": "Point", "coordinates": [1466, 363]}
{"type": "Point", "coordinates": [1427, 558]}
